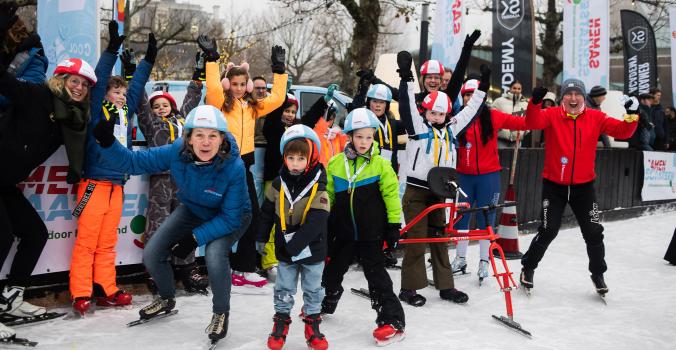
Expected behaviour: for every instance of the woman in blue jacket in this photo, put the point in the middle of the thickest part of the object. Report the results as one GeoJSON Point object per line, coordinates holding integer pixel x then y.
{"type": "Point", "coordinates": [214, 210]}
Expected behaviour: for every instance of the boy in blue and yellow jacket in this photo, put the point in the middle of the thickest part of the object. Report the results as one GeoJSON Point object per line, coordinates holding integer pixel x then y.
{"type": "Point", "coordinates": [100, 192]}
{"type": "Point", "coordinates": [297, 204]}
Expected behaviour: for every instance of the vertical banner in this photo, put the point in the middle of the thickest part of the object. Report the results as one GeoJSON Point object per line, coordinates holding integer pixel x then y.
{"type": "Point", "coordinates": [640, 53]}
{"type": "Point", "coordinates": [69, 28]}
{"type": "Point", "coordinates": [586, 43]}
{"type": "Point", "coordinates": [672, 26]}
{"type": "Point", "coordinates": [513, 44]}
{"type": "Point", "coordinates": [449, 32]}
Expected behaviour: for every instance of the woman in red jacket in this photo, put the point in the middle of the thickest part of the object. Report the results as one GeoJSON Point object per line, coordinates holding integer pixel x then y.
{"type": "Point", "coordinates": [479, 171]}
{"type": "Point", "coordinates": [572, 131]}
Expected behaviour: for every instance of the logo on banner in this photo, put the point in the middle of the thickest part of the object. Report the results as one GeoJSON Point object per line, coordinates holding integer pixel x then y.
{"type": "Point", "coordinates": [638, 37]}
{"type": "Point", "coordinates": [510, 13]}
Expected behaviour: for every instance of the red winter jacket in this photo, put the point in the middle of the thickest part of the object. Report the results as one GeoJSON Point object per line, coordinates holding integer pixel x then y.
{"type": "Point", "coordinates": [475, 157]}
{"type": "Point", "coordinates": [570, 146]}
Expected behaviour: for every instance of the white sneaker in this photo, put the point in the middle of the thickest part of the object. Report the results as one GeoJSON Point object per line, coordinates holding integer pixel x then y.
{"type": "Point", "coordinates": [6, 332]}
{"type": "Point", "coordinates": [249, 283]}
{"type": "Point", "coordinates": [11, 302]}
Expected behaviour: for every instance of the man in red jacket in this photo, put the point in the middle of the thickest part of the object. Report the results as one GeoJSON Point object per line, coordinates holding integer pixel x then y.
{"type": "Point", "coordinates": [571, 131]}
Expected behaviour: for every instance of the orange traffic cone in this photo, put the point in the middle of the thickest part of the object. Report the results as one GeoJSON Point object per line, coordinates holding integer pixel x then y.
{"type": "Point", "coordinates": [509, 228]}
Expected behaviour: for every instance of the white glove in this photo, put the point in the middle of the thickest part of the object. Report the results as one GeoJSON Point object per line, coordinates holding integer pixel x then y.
{"type": "Point", "coordinates": [332, 133]}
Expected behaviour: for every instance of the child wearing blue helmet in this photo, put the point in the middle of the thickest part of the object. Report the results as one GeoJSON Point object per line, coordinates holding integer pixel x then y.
{"type": "Point", "coordinates": [365, 211]}
{"type": "Point", "coordinates": [297, 204]}
{"type": "Point", "coordinates": [214, 206]}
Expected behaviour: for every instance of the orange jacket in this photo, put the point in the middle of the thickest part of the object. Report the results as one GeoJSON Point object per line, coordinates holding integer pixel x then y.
{"type": "Point", "coordinates": [329, 148]}
{"type": "Point", "coordinates": [242, 118]}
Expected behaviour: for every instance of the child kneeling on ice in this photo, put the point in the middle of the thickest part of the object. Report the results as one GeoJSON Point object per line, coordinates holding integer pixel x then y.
{"type": "Point", "coordinates": [365, 210]}
{"type": "Point", "coordinates": [298, 205]}
{"type": "Point", "coordinates": [214, 205]}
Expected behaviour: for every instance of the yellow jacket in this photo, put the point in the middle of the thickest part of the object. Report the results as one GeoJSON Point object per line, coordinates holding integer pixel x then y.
{"type": "Point", "coordinates": [242, 118]}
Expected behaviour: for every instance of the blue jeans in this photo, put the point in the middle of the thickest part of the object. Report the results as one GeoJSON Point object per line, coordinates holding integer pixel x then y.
{"type": "Point", "coordinates": [257, 171]}
{"type": "Point", "coordinates": [178, 225]}
{"type": "Point", "coordinates": [310, 282]}
{"type": "Point", "coordinates": [481, 190]}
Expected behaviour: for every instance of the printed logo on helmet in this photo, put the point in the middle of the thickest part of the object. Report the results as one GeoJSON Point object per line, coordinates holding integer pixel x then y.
{"type": "Point", "coordinates": [205, 121]}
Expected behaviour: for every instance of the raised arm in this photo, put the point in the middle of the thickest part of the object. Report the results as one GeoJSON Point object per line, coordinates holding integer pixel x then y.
{"type": "Point", "coordinates": [192, 97]}
{"type": "Point", "coordinates": [315, 112]}
{"type": "Point", "coordinates": [536, 118]}
{"type": "Point", "coordinates": [408, 111]}
{"type": "Point", "coordinates": [454, 85]}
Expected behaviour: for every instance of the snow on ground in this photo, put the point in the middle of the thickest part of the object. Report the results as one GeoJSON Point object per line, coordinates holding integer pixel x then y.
{"type": "Point", "coordinates": [564, 312]}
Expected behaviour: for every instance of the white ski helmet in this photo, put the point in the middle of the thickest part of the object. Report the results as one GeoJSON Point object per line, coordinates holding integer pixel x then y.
{"type": "Point", "coordinates": [379, 92]}
{"type": "Point", "coordinates": [206, 116]}
{"type": "Point", "coordinates": [296, 132]}
{"type": "Point", "coordinates": [360, 118]}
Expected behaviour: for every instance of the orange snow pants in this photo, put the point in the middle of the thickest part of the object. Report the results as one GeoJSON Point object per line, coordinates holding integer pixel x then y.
{"type": "Point", "coordinates": [93, 259]}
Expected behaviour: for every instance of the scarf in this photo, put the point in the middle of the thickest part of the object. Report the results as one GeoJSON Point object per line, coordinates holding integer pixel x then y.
{"type": "Point", "coordinates": [72, 118]}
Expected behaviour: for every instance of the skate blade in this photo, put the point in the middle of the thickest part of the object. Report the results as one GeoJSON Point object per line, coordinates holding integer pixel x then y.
{"type": "Point", "coordinates": [213, 343]}
{"type": "Point", "coordinates": [76, 315]}
{"type": "Point", "coordinates": [13, 342]}
{"type": "Point", "coordinates": [527, 291]}
{"type": "Point", "coordinates": [513, 325]}
{"type": "Point", "coordinates": [394, 339]}
{"type": "Point", "coordinates": [602, 296]}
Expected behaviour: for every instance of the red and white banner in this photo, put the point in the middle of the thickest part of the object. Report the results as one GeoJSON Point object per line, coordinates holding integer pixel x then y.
{"type": "Point", "coordinates": [54, 200]}
{"type": "Point", "coordinates": [585, 41]}
{"type": "Point", "coordinates": [449, 31]}
{"type": "Point", "coordinates": [659, 176]}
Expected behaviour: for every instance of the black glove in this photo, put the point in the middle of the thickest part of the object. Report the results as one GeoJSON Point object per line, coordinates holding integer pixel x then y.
{"type": "Point", "coordinates": [393, 235]}
{"type": "Point", "coordinates": [115, 38]}
{"type": "Point", "coordinates": [200, 73]}
{"type": "Point", "coordinates": [471, 39]}
{"type": "Point", "coordinates": [151, 51]}
{"type": "Point", "coordinates": [366, 77]}
{"type": "Point", "coordinates": [485, 81]}
{"type": "Point", "coordinates": [538, 94]}
{"type": "Point", "coordinates": [128, 64]}
{"type": "Point", "coordinates": [103, 132]}
{"type": "Point", "coordinates": [209, 48]}
{"type": "Point", "coordinates": [404, 61]}
{"type": "Point", "coordinates": [184, 247]}
{"type": "Point", "coordinates": [278, 58]}
{"type": "Point", "coordinates": [7, 16]}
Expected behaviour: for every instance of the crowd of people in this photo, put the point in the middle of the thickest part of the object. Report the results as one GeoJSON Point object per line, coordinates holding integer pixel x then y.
{"type": "Point", "coordinates": [265, 191]}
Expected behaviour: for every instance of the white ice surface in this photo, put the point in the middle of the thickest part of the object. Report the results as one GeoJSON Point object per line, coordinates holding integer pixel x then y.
{"type": "Point", "coordinates": [563, 312]}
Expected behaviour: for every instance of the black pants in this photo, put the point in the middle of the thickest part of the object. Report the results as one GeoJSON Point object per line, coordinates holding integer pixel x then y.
{"type": "Point", "coordinates": [370, 255]}
{"type": "Point", "coordinates": [19, 218]}
{"type": "Point", "coordinates": [582, 201]}
{"type": "Point", "coordinates": [670, 255]}
{"type": "Point", "coordinates": [244, 260]}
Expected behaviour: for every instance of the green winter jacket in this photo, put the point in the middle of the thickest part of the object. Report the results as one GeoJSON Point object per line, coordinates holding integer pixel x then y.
{"type": "Point", "coordinates": [363, 213]}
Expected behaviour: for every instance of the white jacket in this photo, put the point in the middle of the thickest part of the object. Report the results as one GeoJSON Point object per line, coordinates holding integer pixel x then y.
{"type": "Point", "coordinates": [507, 104]}
{"type": "Point", "coordinates": [429, 147]}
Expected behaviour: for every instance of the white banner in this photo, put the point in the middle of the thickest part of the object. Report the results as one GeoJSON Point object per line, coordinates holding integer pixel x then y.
{"type": "Point", "coordinates": [585, 42]}
{"type": "Point", "coordinates": [672, 26]}
{"type": "Point", "coordinates": [54, 200]}
{"type": "Point", "coordinates": [659, 176]}
{"type": "Point", "coordinates": [449, 31]}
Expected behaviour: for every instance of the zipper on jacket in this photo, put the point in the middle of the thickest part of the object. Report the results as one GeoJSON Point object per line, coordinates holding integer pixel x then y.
{"type": "Point", "coordinates": [415, 159]}
{"type": "Point", "coordinates": [572, 166]}
{"type": "Point", "coordinates": [476, 151]}
{"type": "Point", "coordinates": [241, 127]}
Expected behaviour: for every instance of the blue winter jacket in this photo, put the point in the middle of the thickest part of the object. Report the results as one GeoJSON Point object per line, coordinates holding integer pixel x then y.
{"type": "Point", "coordinates": [216, 193]}
{"type": "Point", "coordinates": [32, 69]}
{"type": "Point", "coordinates": [93, 167]}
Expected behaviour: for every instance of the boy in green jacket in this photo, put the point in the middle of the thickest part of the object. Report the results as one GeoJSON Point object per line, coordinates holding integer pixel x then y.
{"type": "Point", "coordinates": [364, 195]}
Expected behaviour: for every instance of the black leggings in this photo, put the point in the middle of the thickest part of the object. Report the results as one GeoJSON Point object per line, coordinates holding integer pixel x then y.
{"type": "Point", "coordinates": [370, 254]}
{"type": "Point", "coordinates": [582, 201]}
{"type": "Point", "coordinates": [19, 218]}
{"type": "Point", "coordinates": [244, 260]}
